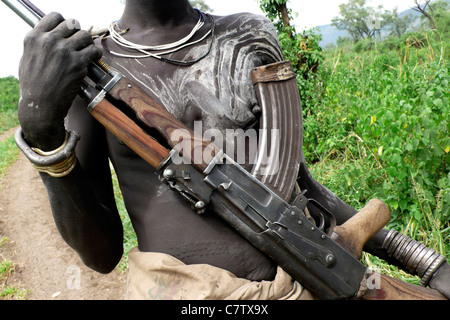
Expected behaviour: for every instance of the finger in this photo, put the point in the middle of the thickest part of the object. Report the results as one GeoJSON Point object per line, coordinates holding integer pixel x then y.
{"type": "Point", "coordinates": [67, 28]}
{"type": "Point", "coordinates": [91, 53]}
{"type": "Point", "coordinates": [80, 40]}
{"type": "Point", "coordinates": [49, 22]}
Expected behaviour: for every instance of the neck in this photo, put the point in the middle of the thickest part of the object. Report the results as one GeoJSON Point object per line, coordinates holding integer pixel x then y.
{"type": "Point", "coordinates": [144, 14]}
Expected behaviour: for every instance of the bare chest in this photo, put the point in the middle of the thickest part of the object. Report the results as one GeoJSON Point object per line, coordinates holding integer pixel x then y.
{"type": "Point", "coordinates": [209, 91]}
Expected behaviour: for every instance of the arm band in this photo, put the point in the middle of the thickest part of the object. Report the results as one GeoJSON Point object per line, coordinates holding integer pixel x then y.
{"type": "Point", "coordinates": [57, 163]}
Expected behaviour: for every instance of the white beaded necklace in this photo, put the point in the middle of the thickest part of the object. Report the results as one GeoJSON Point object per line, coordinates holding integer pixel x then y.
{"type": "Point", "coordinates": [115, 33]}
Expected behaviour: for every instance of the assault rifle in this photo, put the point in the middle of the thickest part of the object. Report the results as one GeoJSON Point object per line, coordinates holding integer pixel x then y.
{"type": "Point", "coordinates": [324, 262]}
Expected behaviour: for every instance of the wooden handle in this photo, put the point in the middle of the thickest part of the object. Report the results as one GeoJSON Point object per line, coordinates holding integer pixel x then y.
{"type": "Point", "coordinates": [200, 152]}
{"type": "Point", "coordinates": [130, 133]}
{"type": "Point", "coordinates": [355, 232]}
{"type": "Point", "coordinates": [381, 287]}
{"type": "Point", "coordinates": [352, 236]}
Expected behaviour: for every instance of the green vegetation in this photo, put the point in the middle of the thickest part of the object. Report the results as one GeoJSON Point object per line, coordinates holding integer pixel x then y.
{"type": "Point", "coordinates": [382, 130]}
{"type": "Point", "coordinates": [301, 49]}
{"type": "Point", "coordinates": [8, 154]}
{"type": "Point", "coordinates": [129, 236]}
{"type": "Point", "coordinates": [7, 269]}
{"type": "Point", "coordinates": [9, 98]}
{"type": "Point", "coordinates": [377, 117]}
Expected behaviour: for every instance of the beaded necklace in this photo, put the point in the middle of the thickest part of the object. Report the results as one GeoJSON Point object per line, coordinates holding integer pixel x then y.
{"type": "Point", "coordinates": [115, 33]}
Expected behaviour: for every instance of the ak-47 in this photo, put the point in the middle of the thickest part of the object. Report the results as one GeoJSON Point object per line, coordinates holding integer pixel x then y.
{"type": "Point", "coordinates": [326, 262]}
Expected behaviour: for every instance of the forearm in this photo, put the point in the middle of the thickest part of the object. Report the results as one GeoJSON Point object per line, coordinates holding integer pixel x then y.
{"type": "Point", "coordinates": [90, 227]}
{"type": "Point", "coordinates": [82, 200]}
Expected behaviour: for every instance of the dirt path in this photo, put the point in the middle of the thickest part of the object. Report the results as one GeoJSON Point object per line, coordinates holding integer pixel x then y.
{"type": "Point", "coordinates": [7, 133]}
{"type": "Point", "coordinates": [43, 263]}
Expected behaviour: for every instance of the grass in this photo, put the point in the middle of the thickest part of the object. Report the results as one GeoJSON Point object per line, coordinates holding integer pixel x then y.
{"type": "Point", "coordinates": [8, 154]}
{"type": "Point", "coordinates": [9, 98]}
{"type": "Point", "coordinates": [3, 241]}
{"type": "Point", "coordinates": [129, 236]}
{"type": "Point", "coordinates": [7, 269]}
{"type": "Point", "coordinates": [13, 293]}
{"type": "Point", "coordinates": [8, 120]}
{"type": "Point", "coordinates": [381, 130]}
{"type": "Point", "coordinates": [430, 232]}
{"type": "Point", "coordinates": [380, 266]}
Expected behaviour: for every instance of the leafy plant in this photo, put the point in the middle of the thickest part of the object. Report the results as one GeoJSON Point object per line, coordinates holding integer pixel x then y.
{"type": "Point", "coordinates": [301, 49]}
{"type": "Point", "coordinates": [382, 130]}
{"type": "Point", "coordinates": [9, 95]}
{"type": "Point", "coordinates": [9, 98]}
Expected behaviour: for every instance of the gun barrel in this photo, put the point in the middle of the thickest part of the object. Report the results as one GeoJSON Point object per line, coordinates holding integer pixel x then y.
{"type": "Point", "coordinates": [23, 11]}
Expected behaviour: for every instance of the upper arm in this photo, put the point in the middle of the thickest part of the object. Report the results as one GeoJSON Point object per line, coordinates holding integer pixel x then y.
{"type": "Point", "coordinates": [92, 152]}
{"type": "Point", "coordinates": [271, 50]}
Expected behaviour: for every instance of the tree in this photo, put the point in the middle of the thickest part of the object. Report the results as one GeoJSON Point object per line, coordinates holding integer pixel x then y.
{"type": "Point", "coordinates": [278, 12]}
{"type": "Point", "coordinates": [442, 17]}
{"type": "Point", "coordinates": [301, 49]}
{"type": "Point", "coordinates": [397, 24]}
{"type": "Point", "coordinates": [427, 11]}
{"type": "Point", "coordinates": [359, 20]}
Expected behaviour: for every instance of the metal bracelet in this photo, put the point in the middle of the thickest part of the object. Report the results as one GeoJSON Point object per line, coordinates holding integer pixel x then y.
{"type": "Point", "coordinates": [57, 164]}
{"type": "Point", "coordinates": [432, 269]}
{"type": "Point", "coordinates": [61, 169]}
{"type": "Point", "coordinates": [415, 257]}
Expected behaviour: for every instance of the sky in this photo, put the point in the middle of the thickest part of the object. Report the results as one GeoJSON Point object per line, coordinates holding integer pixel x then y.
{"type": "Point", "coordinates": [309, 14]}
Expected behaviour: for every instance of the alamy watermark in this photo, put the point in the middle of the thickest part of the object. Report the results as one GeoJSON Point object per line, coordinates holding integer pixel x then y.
{"type": "Point", "coordinates": [373, 280]}
{"type": "Point", "coordinates": [73, 281]}
{"type": "Point", "coordinates": [256, 147]}
{"type": "Point", "coordinates": [73, 24]}
{"type": "Point", "coordinates": [374, 22]}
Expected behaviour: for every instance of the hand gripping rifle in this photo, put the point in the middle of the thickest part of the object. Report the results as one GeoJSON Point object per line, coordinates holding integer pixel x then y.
{"type": "Point", "coordinates": [325, 263]}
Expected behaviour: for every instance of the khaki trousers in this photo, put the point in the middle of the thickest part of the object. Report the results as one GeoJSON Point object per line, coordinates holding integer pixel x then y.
{"type": "Point", "coordinates": [158, 276]}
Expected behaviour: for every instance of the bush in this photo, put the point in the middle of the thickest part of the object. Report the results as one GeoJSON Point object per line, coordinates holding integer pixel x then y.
{"type": "Point", "coordinates": [382, 130]}
{"type": "Point", "coordinates": [9, 94]}
{"type": "Point", "coordinates": [9, 98]}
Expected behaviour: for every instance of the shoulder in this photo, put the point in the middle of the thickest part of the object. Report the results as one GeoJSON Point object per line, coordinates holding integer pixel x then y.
{"type": "Point", "coordinates": [245, 19]}
{"type": "Point", "coordinates": [250, 32]}
{"type": "Point", "coordinates": [245, 22]}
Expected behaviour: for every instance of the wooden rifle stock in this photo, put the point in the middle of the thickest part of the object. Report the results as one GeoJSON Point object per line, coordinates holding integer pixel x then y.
{"type": "Point", "coordinates": [178, 136]}
{"type": "Point", "coordinates": [352, 236]}
{"type": "Point", "coordinates": [153, 115]}
{"type": "Point", "coordinates": [383, 287]}
{"type": "Point", "coordinates": [130, 133]}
